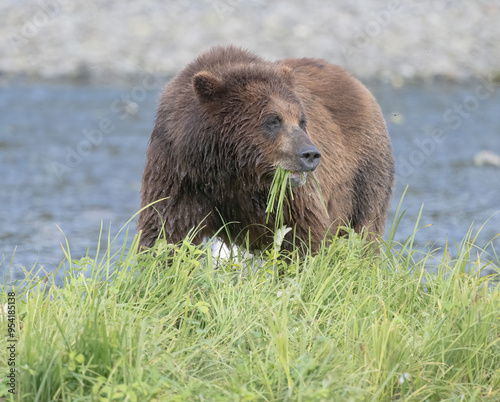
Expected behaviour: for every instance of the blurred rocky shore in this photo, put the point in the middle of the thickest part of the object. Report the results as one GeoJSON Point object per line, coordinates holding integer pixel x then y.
{"type": "Point", "coordinates": [106, 41]}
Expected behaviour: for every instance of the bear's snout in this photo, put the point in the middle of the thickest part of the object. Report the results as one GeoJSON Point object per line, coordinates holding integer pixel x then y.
{"type": "Point", "coordinates": [309, 157]}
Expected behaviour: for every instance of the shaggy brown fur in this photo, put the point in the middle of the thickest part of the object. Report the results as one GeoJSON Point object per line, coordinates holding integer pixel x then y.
{"type": "Point", "coordinates": [230, 118]}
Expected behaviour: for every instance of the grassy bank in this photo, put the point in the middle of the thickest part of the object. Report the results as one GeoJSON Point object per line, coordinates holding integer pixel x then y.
{"type": "Point", "coordinates": [342, 325]}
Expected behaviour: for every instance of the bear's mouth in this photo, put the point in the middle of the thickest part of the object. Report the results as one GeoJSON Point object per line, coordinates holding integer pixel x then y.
{"type": "Point", "coordinates": [297, 179]}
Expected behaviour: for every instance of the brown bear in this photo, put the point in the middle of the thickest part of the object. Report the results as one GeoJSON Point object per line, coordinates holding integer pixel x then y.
{"type": "Point", "coordinates": [230, 118]}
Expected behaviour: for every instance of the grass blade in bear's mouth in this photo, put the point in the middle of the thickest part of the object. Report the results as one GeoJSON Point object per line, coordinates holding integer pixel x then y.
{"type": "Point", "coordinates": [282, 181]}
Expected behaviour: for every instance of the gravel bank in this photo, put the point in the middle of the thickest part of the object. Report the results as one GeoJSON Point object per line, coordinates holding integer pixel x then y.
{"type": "Point", "coordinates": [103, 40]}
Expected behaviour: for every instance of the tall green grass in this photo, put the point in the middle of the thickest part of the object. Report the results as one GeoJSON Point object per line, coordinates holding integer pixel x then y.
{"type": "Point", "coordinates": [176, 324]}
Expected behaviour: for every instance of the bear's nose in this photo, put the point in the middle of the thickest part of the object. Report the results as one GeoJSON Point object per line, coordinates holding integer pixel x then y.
{"type": "Point", "coordinates": [309, 157]}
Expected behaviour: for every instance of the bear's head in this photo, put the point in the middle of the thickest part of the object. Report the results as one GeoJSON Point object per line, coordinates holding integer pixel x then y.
{"type": "Point", "coordinates": [253, 122]}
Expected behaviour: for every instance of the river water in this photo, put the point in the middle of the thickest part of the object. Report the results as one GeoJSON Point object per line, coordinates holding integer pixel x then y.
{"type": "Point", "coordinates": [71, 157]}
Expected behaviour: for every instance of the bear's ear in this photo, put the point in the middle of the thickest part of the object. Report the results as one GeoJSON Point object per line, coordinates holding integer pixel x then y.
{"type": "Point", "coordinates": [287, 73]}
{"type": "Point", "coordinates": [207, 86]}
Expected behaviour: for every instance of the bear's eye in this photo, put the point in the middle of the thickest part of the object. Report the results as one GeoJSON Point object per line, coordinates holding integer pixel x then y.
{"type": "Point", "coordinates": [273, 123]}
{"type": "Point", "coordinates": [302, 123]}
